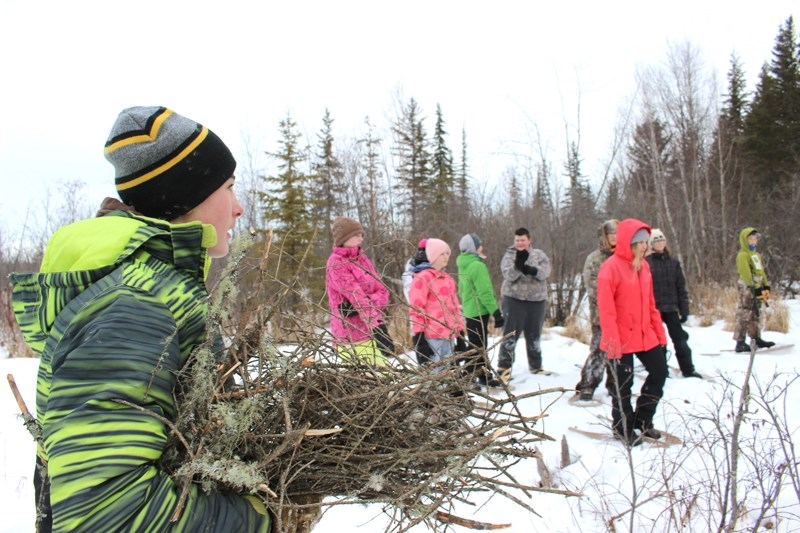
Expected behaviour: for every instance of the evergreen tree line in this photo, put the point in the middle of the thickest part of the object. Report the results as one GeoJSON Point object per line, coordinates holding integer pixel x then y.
{"type": "Point", "coordinates": [698, 165]}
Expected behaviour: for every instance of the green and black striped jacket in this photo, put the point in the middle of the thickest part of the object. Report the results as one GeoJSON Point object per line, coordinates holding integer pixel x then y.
{"type": "Point", "coordinates": [117, 308]}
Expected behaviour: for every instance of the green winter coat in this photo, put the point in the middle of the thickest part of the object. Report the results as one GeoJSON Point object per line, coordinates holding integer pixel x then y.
{"type": "Point", "coordinates": [749, 263]}
{"type": "Point", "coordinates": [117, 308]}
{"type": "Point", "coordinates": [475, 289]}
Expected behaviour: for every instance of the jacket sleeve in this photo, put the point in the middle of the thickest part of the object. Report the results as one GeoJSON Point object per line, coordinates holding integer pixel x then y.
{"type": "Point", "coordinates": [743, 267]}
{"type": "Point", "coordinates": [655, 316]}
{"type": "Point", "coordinates": [484, 289]}
{"type": "Point", "coordinates": [510, 273]}
{"type": "Point", "coordinates": [417, 300]}
{"type": "Point", "coordinates": [607, 309]}
{"type": "Point", "coordinates": [680, 286]}
{"type": "Point", "coordinates": [103, 455]}
{"type": "Point", "coordinates": [344, 280]}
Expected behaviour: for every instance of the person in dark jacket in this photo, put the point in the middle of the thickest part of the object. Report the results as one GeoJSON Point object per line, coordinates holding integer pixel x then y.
{"type": "Point", "coordinates": [117, 308]}
{"type": "Point", "coordinates": [672, 300]}
{"type": "Point", "coordinates": [631, 326]}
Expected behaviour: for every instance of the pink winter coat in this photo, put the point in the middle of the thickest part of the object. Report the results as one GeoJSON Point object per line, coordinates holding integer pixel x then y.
{"type": "Point", "coordinates": [433, 305]}
{"type": "Point", "coordinates": [629, 320]}
{"type": "Point", "coordinates": [351, 276]}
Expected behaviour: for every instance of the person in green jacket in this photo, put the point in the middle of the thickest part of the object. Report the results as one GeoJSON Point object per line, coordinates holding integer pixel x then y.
{"type": "Point", "coordinates": [118, 306]}
{"type": "Point", "coordinates": [478, 305]}
{"type": "Point", "coordinates": [753, 288]}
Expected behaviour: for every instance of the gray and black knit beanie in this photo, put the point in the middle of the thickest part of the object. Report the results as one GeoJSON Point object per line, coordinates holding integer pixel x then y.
{"type": "Point", "coordinates": [165, 165]}
{"type": "Point", "coordinates": [469, 243]}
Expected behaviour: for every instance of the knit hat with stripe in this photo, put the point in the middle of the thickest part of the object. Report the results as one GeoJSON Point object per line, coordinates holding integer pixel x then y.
{"type": "Point", "coordinates": [165, 165]}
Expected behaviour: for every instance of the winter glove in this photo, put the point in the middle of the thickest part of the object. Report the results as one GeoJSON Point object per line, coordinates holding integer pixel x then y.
{"type": "Point", "coordinates": [499, 321]}
{"type": "Point", "coordinates": [529, 270]}
{"type": "Point", "coordinates": [684, 318]}
{"type": "Point", "coordinates": [346, 309]}
{"type": "Point", "coordinates": [520, 258]}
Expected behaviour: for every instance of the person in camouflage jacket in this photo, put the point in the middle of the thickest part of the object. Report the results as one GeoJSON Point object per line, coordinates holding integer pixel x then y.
{"type": "Point", "coordinates": [596, 364]}
{"type": "Point", "coordinates": [754, 290]}
{"type": "Point", "coordinates": [118, 306]}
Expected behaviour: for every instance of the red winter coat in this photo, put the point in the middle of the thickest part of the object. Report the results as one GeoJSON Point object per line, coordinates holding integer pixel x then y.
{"type": "Point", "coordinates": [433, 305]}
{"type": "Point", "coordinates": [629, 320]}
{"type": "Point", "coordinates": [351, 276]}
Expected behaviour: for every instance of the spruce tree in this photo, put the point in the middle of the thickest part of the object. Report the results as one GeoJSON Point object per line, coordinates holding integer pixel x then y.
{"type": "Point", "coordinates": [442, 179]}
{"type": "Point", "coordinates": [327, 182]}
{"type": "Point", "coordinates": [412, 166]}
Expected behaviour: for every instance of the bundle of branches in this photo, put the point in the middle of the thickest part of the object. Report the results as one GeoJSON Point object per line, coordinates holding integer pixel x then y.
{"type": "Point", "coordinates": [296, 424]}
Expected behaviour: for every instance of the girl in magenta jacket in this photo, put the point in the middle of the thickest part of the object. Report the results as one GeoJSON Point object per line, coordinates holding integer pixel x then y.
{"type": "Point", "coordinates": [433, 301]}
{"type": "Point", "coordinates": [356, 296]}
{"type": "Point", "coordinates": [631, 325]}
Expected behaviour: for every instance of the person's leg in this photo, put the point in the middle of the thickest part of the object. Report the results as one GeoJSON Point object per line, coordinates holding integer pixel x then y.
{"type": "Point", "coordinates": [534, 322]}
{"type": "Point", "coordinates": [746, 319]}
{"type": "Point", "coordinates": [383, 340]}
{"type": "Point", "coordinates": [594, 367]}
{"type": "Point", "coordinates": [421, 349]}
{"type": "Point", "coordinates": [655, 363]}
{"type": "Point", "coordinates": [477, 333]}
{"type": "Point", "coordinates": [513, 325]}
{"type": "Point", "coordinates": [679, 341]}
{"type": "Point", "coordinates": [621, 410]}
{"type": "Point", "coordinates": [441, 348]}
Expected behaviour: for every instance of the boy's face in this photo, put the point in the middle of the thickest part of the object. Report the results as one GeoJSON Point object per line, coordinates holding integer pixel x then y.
{"type": "Point", "coordinates": [752, 240]}
{"type": "Point", "coordinates": [522, 242]}
{"type": "Point", "coordinates": [220, 210]}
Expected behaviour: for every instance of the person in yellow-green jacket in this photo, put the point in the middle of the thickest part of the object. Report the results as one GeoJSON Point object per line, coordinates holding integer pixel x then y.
{"type": "Point", "coordinates": [753, 288]}
{"type": "Point", "coordinates": [114, 313]}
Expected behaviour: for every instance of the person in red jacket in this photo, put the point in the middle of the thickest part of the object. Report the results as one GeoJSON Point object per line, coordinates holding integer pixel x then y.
{"type": "Point", "coordinates": [631, 325]}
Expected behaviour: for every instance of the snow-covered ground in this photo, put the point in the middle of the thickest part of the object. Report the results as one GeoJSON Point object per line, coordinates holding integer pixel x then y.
{"type": "Point", "coordinates": [673, 485]}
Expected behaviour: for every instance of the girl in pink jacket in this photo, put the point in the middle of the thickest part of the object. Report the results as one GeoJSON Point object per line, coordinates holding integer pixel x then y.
{"type": "Point", "coordinates": [631, 325]}
{"type": "Point", "coordinates": [356, 297]}
{"type": "Point", "coordinates": [433, 301]}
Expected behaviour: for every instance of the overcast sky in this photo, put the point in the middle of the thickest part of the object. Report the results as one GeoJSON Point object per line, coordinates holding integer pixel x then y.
{"type": "Point", "coordinates": [497, 69]}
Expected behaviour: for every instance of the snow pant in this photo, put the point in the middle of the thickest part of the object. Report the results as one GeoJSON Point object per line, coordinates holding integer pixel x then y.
{"type": "Point", "coordinates": [624, 418]}
{"type": "Point", "coordinates": [363, 352]}
{"type": "Point", "coordinates": [746, 315]}
{"type": "Point", "coordinates": [522, 317]}
{"type": "Point", "coordinates": [41, 488]}
{"type": "Point", "coordinates": [679, 340]}
{"type": "Point", "coordinates": [595, 366]}
{"type": "Point", "coordinates": [477, 333]}
{"type": "Point", "coordinates": [421, 348]}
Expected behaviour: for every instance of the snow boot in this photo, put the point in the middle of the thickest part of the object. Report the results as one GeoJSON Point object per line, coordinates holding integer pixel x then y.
{"type": "Point", "coordinates": [632, 439]}
{"type": "Point", "coordinates": [489, 381]}
{"type": "Point", "coordinates": [585, 395]}
{"type": "Point", "coordinates": [647, 429]}
{"type": "Point", "coordinates": [741, 347]}
{"type": "Point", "coordinates": [761, 343]}
{"type": "Point", "coordinates": [693, 374]}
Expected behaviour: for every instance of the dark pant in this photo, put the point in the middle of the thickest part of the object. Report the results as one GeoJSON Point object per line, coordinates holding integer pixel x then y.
{"type": "Point", "coordinates": [679, 340]}
{"type": "Point", "coordinates": [422, 349]}
{"type": "Point", "coordinates": [41, 487]}
{"type": "Point", "coordinates": [595, 366]}
{"type": "Point", "coordinates": [383, 340]}
{"type": "Point", "coordinates": [624, 417]}
{"type": "Point", "coordinates": [522, 317]}
{"type": "Point", "coordinates": [477, 334]}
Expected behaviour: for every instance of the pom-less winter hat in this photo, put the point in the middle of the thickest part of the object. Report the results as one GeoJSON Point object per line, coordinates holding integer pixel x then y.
{"type": "Point", "coordinates": [640, 236]}
{"type": "Point", "coordinates": [343, 228]}
{"type": "Point", "coordinates": [434, 248]}
{"type": "Point", "coordinates": [469, 243]}
{"type": "Point", "coordinates": [656, 235]}
{"type": "Point", "coordinates": [165, 165]}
